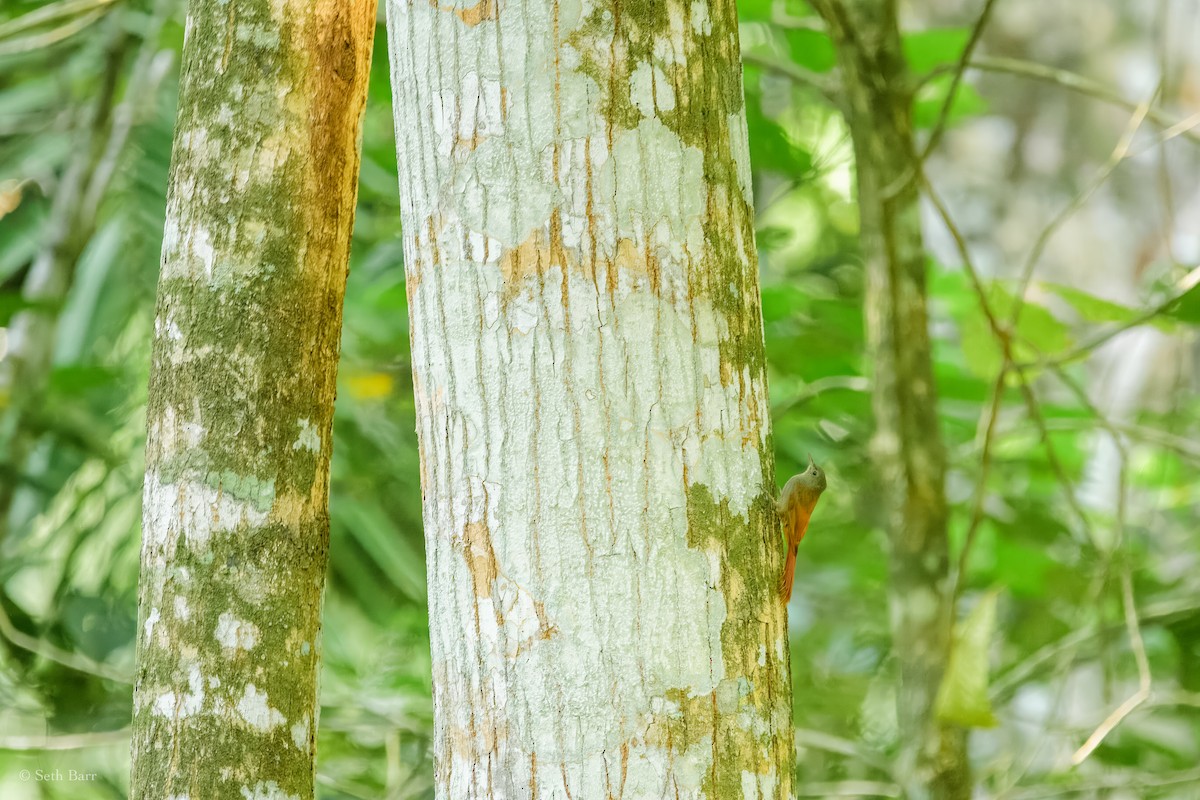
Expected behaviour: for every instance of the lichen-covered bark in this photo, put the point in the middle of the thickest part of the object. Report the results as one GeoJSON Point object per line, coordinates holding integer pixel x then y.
{"type": "Point", "coordinates": [906, 450]}
{"type": "Point", "coordinates": [235, 533]}
{"type": "Point", "coordinates": [603, 553]}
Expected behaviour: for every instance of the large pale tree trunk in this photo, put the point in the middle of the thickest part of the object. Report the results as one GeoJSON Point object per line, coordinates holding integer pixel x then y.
{"type": "Point", "coordinates": [906, 450]}
{"type": "Point", "coordinates": [236, 532]}
{"type": "Point", "coordinates": [597, 467]}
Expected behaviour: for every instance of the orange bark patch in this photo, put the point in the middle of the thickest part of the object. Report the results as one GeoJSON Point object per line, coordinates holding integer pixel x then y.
{"type": "Point", "coordinates": [638, 260]}
{"type": "Point", "coordinates": [471, 16]}
{"type": "Point", "coordinates": [531, 257]}
{"type": "Point", "coordinates": [462, 144]}
{"type": "Point", "coordinates": [480, 12]}
{"type": "Point", "coordinates": [540, 251]}
{"type": "Point", "coordinates": [544, 249]}
{"type": "Point", "coordinates": [481, 558]}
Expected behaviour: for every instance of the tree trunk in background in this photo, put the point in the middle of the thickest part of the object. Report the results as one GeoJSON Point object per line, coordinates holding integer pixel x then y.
{"type": "Point", "coordinates": [236, 527]}
{"type": "Point", "coordinates": [906, 449]}
{"type": "Point", "coordinates": [603, 551]}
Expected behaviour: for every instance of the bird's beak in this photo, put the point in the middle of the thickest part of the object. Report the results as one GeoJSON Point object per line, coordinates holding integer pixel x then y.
{"type": "Point", "coordinates": [810, 460]}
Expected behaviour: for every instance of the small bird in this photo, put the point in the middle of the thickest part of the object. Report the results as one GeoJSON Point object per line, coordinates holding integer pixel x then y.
{"type": "Point", "coordinates": [795, 506]}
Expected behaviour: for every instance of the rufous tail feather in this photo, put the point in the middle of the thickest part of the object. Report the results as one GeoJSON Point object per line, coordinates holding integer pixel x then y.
{"type": "Point", "coordinates": [789, 572]}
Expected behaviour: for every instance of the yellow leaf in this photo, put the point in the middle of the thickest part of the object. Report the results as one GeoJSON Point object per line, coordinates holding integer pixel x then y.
{"type": "Point", "coordinates": [369, 385]}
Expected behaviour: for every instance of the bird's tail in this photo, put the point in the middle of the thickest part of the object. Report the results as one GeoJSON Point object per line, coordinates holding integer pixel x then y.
{"type": "Point", "coordinates": [789, 573]}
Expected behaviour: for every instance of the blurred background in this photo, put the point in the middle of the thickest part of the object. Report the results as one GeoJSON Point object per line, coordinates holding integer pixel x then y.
{"type": "Point", "coordinates": [1073, 152]}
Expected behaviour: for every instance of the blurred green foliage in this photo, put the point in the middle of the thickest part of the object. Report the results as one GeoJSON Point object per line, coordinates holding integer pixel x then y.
{"type": "Point", "coordinates": [1042, 596]}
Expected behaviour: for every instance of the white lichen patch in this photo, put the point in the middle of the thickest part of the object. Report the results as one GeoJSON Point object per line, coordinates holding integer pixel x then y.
{"type": "Point", "coordinates": [713, 450]}
{"type": "Point", "coordinates": [176, 705]}
{"type": "Point", "coordinates": [182, 612]}
{"type": "Point", "coordinates": [309, 438]}
{"type": "Point", "coordinates": [168, 328]}
{"type": "Point", "coordinates": [507, 160]}
{"type": "Point", "coordinates": [665, 707]}
{"type": "Point", "coordinates": [261, 36]}
{"type": "Point", "coordinates": [195, 511]}
{"type": "Point", "coordinates": [173, 432]}
{"type": "Point", "coordinates": [266, 790]}
{"type": "Point", "coordinates": [151, 619]}
{"type": "Point", "coordinates": [701, 22]}
{"type": "Point", "coordinates": [468, 113]}
{"type": "Point", "coordinates": [671, 222]}
{"type": "Point", "coordinates": [266, 160]}
{"type": "Point", "coordinates": [195, 254]}
{"type": "Point", "coordinates": [755, 723]}
{"type": "Point", "coordinates": [657, 772]}
{"type": "Point", "coordinates": [254, 709]}
{"type": "Point", "coordinates": [516, 608]}
{"type": "Point", "coordinates": [300, 732]}
{"type": "Point", "coordinates": [756, 785]}
{"type": "Point", "coordinates": [650, 90]}
{"type": "Point", "coordinates": [236, 633]}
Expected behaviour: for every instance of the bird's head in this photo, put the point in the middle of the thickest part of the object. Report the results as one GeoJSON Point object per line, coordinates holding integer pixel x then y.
{"type": "Point", "coordinates": [807, 484]}
{"type": "Point", "coordinates": [812, 478]}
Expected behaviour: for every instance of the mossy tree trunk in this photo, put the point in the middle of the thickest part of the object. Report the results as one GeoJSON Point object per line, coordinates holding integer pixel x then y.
{"type": "Point", "coordinates": [906, 449]}
{"type": "Point", "coordinates": [603, 552]}
{"type": "Point", "coordinates": [236, 533]}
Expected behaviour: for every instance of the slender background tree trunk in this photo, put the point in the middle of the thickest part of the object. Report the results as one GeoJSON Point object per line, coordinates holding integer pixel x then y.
{"type": "Point", "coordinates": [236, 528]}
{"type": "Point", "coordinates": [603, 551]}
{"type": "Point", "coordinates": [906, 450]}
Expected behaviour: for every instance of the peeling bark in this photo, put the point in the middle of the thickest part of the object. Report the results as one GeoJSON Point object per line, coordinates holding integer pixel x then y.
{"type": "Point", "coordinates": [906, 450]}
{"type": "Point", "coordinates": [235, 532]}
{"type": "Point", "coordinates": [603, 551]}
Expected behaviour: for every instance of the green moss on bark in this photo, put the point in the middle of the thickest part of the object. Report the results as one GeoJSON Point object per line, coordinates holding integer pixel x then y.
{"type": "Point", "coordinates": [743, 713]}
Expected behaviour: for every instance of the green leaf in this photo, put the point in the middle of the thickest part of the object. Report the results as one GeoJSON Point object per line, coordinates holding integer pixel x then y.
{"type": "Point", "coordinates": [811, 49]}
{"type": "Point", "coordinates": [963, 696]}
{"type": "Point", "coordinates": [72, 379]}
{"type": "Point", "coordinates": [779, 301]}
{"type": "Point", "coordinates": [755, 10]}
{"type": "Point", "coordinates": [980, 347]}
{"type": "Point", "coordinates": [1041, 328]}
{"type": "Point", "coordinates": [1187, 307]}
{"type": "Point", "coordinates": [1036, 326]}
{"type": "Point", "coordinates": [1090, 307]}
{"type": "Point", "coordinates": [1023, 568]}
{"type": "Point", "coordinates": [929, 49]}
{"type": "Point", "coordinates": [927, 106]}
{"type": "Point", "coordinates": [771, 148]}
